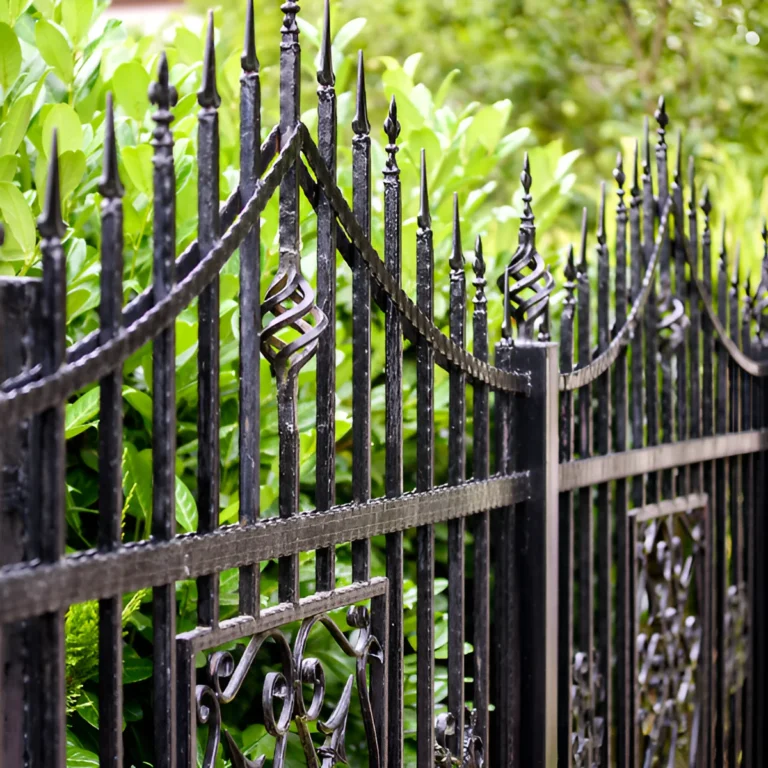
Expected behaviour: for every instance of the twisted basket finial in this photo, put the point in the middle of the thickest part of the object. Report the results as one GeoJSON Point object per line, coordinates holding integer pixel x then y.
{"type": "Point", "coordinates": [526, 282]}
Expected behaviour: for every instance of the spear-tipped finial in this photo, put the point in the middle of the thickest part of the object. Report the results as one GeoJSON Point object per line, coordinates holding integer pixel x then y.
{"type": "Point", "coordinates": [764, 233]}
{"type": "Point", "coordinates": [478, 265]}
{"type": "Point", "coordinates": [748, 300]}
{"type": "Point", "coordinates": [692, 185]}
{"type": "Point", "coordinates": [109, 182]}
{"type": "Point", "coordinates": [526, 180]}
{"type": "Point", "coordinates": [736, 264]}
{"type": "Point", "coordinates": [50, 223]}
{"type": "Point", "coordinates": [161, 93]}
{"type": "Point", "coordinates": [208, 96]}
{"type": "Point", "coordinates": [325, 75]}
{"type": "Point", "coordinates": [647, 148]}
{"type": "Point", "coordinates": [601, 216]}
{"type": "Point", "coordinates": [582, 268]}
{"type": "Point", "coordinates": [424, 218]}
{"type": "Point", "coordinates": [677, 179]}
{"type": "Point", "coordinates": [249, 61]}
{"type": "Point", "coordinates": [618, 172]}
{"type": "Point", "coordinates": [723, 249]}
{"type": "Point", "coordinates": [635, 191]}
{"type": "Point", "coordinates": [705, 204]}
{"type": "Point", "coordinates": [392, 124]}
{"type": "Point", "coordinates": [570, 269]}
{"type": "Point", "coordinates": [457, 254]}
{"type": "Point", "coordinates": [360, 125]}
{"type": "Point", "coordinates": [662, 118]}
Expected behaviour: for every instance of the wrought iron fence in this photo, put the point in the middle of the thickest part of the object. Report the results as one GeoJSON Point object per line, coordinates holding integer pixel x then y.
{"type": "Point", "coordinates": [615, 612]}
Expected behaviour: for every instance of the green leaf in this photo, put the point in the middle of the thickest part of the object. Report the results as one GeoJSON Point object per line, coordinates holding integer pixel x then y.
{"type": "Point", "coordinates": [88, 708]}
{"type": "Point", "coordinates": [16, 213]}
{"type": "Point", "coordinates": [77, 757]}
{"type": "Point", "coordinates": [348, 33]}
{"type": "Point", "coordinates": [138, 165]}
{"type": "Point", "coordinates": [16, 124]}
{"type": "Point", "coordinates": [186, 509]}
{"type": "Point", "coordinates": [140, 401]}
{"type": "Point", "coordinates": [10, 56]}
{"type": "Point", "coordinates": [8, 167]}
{"type": "Point", "coordinates": [445, 87]}
{"type": "Point", "coordinates": [76, 16]}
{"type": "Point", "coordinates": [135, 668]}
{"type": "Point", "coordinates": [488, 124]}
{"type": "Point", "coordinates": [64, 119]}
{"type": "Point", "coordinates": [80, 414]}
{"type": "Point", "coordinates": [55, 49]}
{"type": "Point", "coordinates": [138, 474]}
{"type": "Point", "coordinates": [131, 83]}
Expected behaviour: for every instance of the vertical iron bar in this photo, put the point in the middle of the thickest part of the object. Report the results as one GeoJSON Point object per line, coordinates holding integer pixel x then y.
{"type": "Point", "coordinates": [481, 522]}
{"type": "Point", "coordinates": [425, 535]}
{"type": "Point", "coordinates": [623, 555]}
{"type": "Point", "coordinates": [250, 310]}
{"type": "Point", "coordinates": [694, 335]}
{"type": "Point", "coordinates": [111, 451]}
{"type": "Point", "coordinates": [394, 433]}
{"type": "Point", "coordinates": [163, 95]}
{"type": "Point", "coordinates": [734, 489]}
{"type": "Point", "coordinates": [456, 476]}
{"type": "Point", "coordinates": [325, 565]}
{"type": "Point", "coordinates": [288, 229]}
{"type": "Point", "coordinates": [603, 706]}
{"type": "Point", "coordinates": [585, 518]}
{"type": "Point", "coordinates": [208, 410]}
{"type": "Point", "coordinates": [565, 568]}
{"type": "Point", "coordinates": [52, 478]}
{"type": "Point", "coordinates": [721, 497]}
{"type": "Point", "coordinates": [361, 323]}
{"type": "Point", "coordinates": [651, 341]}
{"type": "Point", "coordinates": [681, 289]}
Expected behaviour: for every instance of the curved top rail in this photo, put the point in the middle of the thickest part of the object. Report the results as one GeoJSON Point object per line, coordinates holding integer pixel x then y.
{"type": "Point", "coordinates": [445, 348]}
{"type": "Point", "coordinates": [50, 390]}
{"type": "Point", "coordinates": [758, 368]}
{"type": "Point", "coordinates": [587, 374]}
{"type": "Point", "coordinates": [141, 303]}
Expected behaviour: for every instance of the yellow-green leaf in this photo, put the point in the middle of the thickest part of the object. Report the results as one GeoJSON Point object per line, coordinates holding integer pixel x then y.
{"type": "Point", "coordinates": [80, 414]}
{"type": "Point", "coordinates": [138, 164]}
{"type": "Point", "coordinates": [55, 49]}
{"type": "Point", "coordinates": [20, 225]}
{"type": "Point", "coordinates": [131, 83]}
{"type": "Point", "coordinates": [64, 119]}
{"type": "Point", "coordinates": [15, 125]}
{"type": "Point", "coordinates": [76, 16]}
{"type": "Point", "coordinates": [10, 56]}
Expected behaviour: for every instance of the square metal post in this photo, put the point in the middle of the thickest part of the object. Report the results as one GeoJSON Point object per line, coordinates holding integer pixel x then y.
{"type": "Point", "coordinates": [535, 448]}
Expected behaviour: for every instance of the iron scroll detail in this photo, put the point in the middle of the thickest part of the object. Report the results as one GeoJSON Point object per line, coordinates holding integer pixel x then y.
{"type": "Point", "coordinates": [472, 750]}
{"type": "Point", "coordinates": [282, 699]}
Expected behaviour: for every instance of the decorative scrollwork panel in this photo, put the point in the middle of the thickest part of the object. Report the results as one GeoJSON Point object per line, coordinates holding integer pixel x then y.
{"type": "Point", "coordinates": [672, 578]}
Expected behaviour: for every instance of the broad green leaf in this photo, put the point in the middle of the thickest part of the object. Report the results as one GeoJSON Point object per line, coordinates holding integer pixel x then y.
{"type": "Point", "coordinates": [138, 165]}
{"type": "Point", "coordinates": [10, 10]}
{"type": "Point", "coordinates": [77, 757]}
{"type": "Point", "coordinates": [64, 119]}
{"type": "Point", "coordinates": [10, 56]}
{"type": "Point", "coordinates": [76, 16]}
{"type": "Point", "coordinates": [186, 509]}
{"type": "Point", "coordinates": [445, 87]}
{"type": "Point", "coordinates": [80, 414]}
{"type": "Point", "coordinates": [348, 33]}
{"type": "Point", "coordinates": [131, 83]}
{"type": "Point", "coordinates": [8, 167]}
{"type": "Point", "coordinates": [411, 64]}
{"type": "Point", "coordinates": [55, 49]}
{"type": "Point", "coordinates": [135, 668]}
{"type": "Point", "coordinates": [88, 708]}
{"type": "Point", "coordinates": [487, 125]}
{"type": "Point", "coordinates": [16, 214]}
{"type": "Point", "coordinates": [16, 124]}
{"type": "Point", "coordinates": [140, 401]}
{"type": "Point", "coordinates": [138, 473]}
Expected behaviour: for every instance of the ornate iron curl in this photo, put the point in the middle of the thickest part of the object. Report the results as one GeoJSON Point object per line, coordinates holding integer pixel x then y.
{"type": "Point", "coordinates": [283, 701]}
{"type": "Point", "coordinates": [526, 282]}
{"type": "Point", "coordinates": [737, 633]}
{"type": "Point", "coordinates": [473, 755]}
{"type": "Point", "coordinates": [669, 646]}
{"type": "Point", "coordinates": [588, 730]}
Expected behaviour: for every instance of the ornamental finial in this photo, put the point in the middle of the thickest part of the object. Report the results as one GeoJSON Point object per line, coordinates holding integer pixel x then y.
{"type": "Point", "coordinates": [478, 265]}
{"type": "Point", "coordinates": [582, 267]}
{"type": "Point", "coordinates": [723, 249]}
{"type": "Point", "coordinates": [424, 218]}
{"type": "Point", "coordinates": [570, 277]}
{"type": "Point", "coordinates": [208, 96]}
{"type": "Point", "coordinates": [325, 75]}
{"type": "Point", "coordinates": [692, 185]}
{"type": "Point", "coordinates": [109, 183]}
{"type": "Point", "coordinates": [457, 254]}
{"type": "Point", "coordinates": [677, 179]}
{"type": "Point", "coordinates": [601, 216]}
{"type": "Point", "coordinates": [249, 61]}
{"type": "Point", "coordinates": [662, 118]}
{"type": "Point", "coordinates": [635, 190]}
{"type": "Point", "coordinates": [50, 223]}
{"type": "Point", "coordinates": [647, 149]}
{"type": "Point", "coordinates": [392, 129]}
{"type": "Point", "coordinates": [161, 93]}
{"type": "Point", "coordinates": [360, 124]}
{"type": "Point", "coordinates": [735, 274]}
{"type": "Point", "coordinates": [618, 172]}
{"type": "Point", "coordinates": [705, 204]}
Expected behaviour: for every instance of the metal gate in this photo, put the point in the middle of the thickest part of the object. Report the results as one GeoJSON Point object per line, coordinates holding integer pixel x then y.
{"type": "Point", "coordinates": [603, 554]}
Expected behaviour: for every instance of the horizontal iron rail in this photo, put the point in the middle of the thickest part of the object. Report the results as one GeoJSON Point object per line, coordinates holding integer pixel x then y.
{"type": "Point", "coordinates": [205, 638]}
{"type": "Point", "coordinates": [640, 461]}
{"type": "Point", "coordinates": [669, 507]}
{"type": "Point", "coordinates": [31, 589]}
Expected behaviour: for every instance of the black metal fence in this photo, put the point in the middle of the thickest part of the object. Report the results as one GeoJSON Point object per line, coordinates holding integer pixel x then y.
{"type": "Point", "coordinates": [615, 578]}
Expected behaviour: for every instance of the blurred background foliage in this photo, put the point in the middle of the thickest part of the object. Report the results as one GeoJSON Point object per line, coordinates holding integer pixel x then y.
{"type": "Point", "coordinates": [477, 82]}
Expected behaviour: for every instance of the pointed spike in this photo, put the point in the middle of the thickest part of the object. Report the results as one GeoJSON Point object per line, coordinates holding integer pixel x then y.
{"type": "Point", "coordinates": [360, 125]}
{"type": "Point", "coordinates": [601, 216]}
{"type": "Point", "coordinates": [748, 289]}
{"type": "Point", "coordinates": [723, 249]}
{"type": "Point", "coordinates": [161, 93]}
{"type": "Point", "coordinates": [661, 113]}
{"type": "Point", "coordinates": [647, 147]}
{"type": "Point", "coordinates": [325, 75]}
{"type": "Point", "coordinates": [478, 266]}
{"type": "Point", "coordinates": [618, 171]}
{"type": "Point", "coordinates": [706, 203]}
{"type": "Point", "coordinates": [570, 267]}
{"type": "Point", "coordinates": [457, 255]}
{"type": "Point", "coordinates": [208, 96]}
{"type": "Point", "coordinates": [736, 264]}
{"type": "Point", "coordinates": [635, 191]}
{"type": "Point", "coordinates": [424, 218]}
{"type": "Point", "coordinates": [764, 232]}
{"type": "Point", "coordinates": [391, 124]}
{"type": "Point", "coordinates": [583, 262]}
{"type": "Point", "coordinates": [50, 223]}
{"type": "Point", "coordinates": [249, 61]}
{"type": "Point", "coordinates": [692, 183]}
{"type": "Point", "coordinates": [109, 182]}
{"type": "Point", "coordinates": [525, 175]}
{"type": "Point", "coordinates": [678, 177]}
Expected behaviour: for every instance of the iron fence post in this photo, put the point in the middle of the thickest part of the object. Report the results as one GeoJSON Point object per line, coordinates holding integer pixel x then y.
{"type": "Point", "coordinates": [534, 433]}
